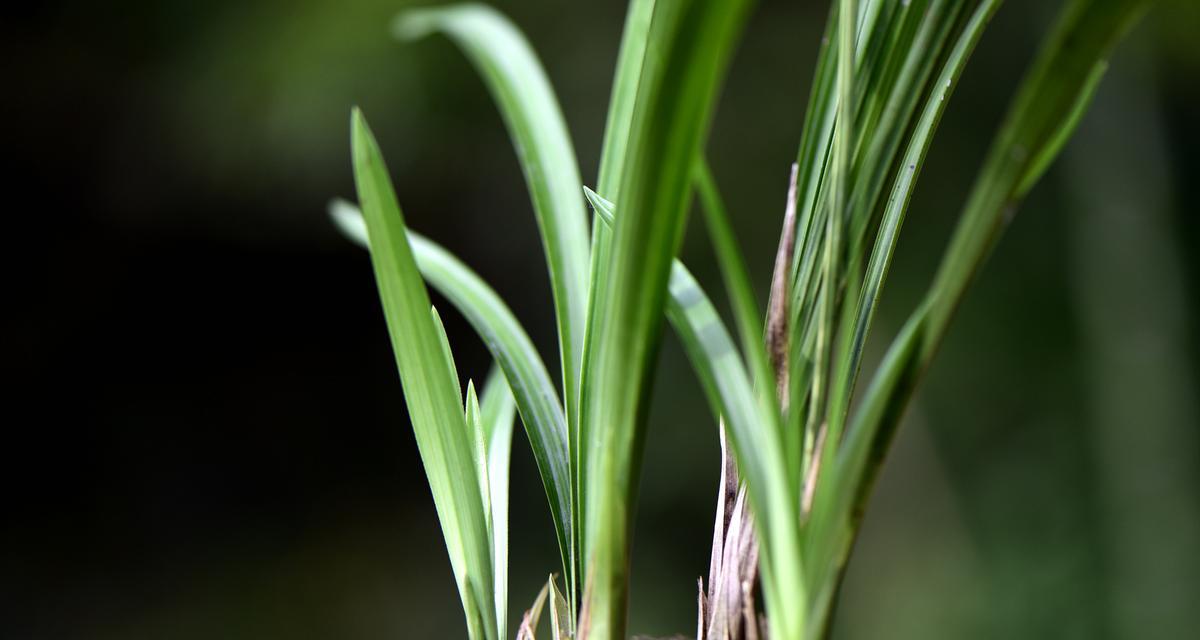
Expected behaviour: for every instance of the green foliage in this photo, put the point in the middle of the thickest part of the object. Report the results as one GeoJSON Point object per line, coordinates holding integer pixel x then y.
{"type": "Point", "coordinates": [517, 82]}
{"type": "Point", "coordinates": [536, 398]}
{"type": "Point", "coordinates": [753, 423]}
{"type": "Point", "coordinates": [687, 50]}
{"type": "Point", "coordinates": [519, 85]}
{"type": "Point", "coordinates": [448, 448]}
{"type": "Point", "coordinates": [808, 461]}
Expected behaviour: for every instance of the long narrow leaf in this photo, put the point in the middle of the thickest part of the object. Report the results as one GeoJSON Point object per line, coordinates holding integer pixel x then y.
{"type": "Point", "coordinates": [737, 279]}
{"type": "Point", "coordinates": [896, 44]}
{"type": "Point", "coordinates": [624, 92]}
{"type": "Point", "coordinates": [430, 388]}
{"type": "Point", "coordinates": [902, 191]}
{"type": "Point", "coordinates": [1046, 108]}
{"type": "Point", "coordinates": [823, 531]}
{"type": "Point", "coordinates": [626, 79]}
{"type": "Point", "coordinates": [1047, 105]}
{"type": "Point", "coordinates": [535, 122]}
{"type": "Point", "coordinates": [686, 55]}
{"type": "Point", "coordinates": [753, 429]}
{"type": "Point", "coordinates": [496, 412]}
{"type": "Point", "coordinates": [514, 352]}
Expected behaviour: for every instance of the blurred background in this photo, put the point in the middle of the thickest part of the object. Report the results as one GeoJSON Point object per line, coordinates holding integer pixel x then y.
{"type": "Point", "coordinates": [206, 435]}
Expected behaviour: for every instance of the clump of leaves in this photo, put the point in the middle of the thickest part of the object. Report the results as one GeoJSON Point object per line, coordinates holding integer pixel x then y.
{"type": "Point", "coordinates": [799, 463]}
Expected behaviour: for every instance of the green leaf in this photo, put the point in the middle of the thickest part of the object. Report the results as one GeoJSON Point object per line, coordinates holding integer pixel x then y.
{"type": "Point", "coordinates": [627, 78]}
{"type": "Point", "coordinates": [686, 54]}
{"type": "Point", "coordinates": [502, 334]}
{"type": "Point", "coordinates": [1045, 110]}
{"type": "Point", "coordinates": [753, 429]}
{"type": "Point", "coordinates": [844, 140]}
{"type": "Point", "coordinates": [1049, 151]}
{"type": "Point", "coordinates": [444, 341]}
{"type": "Point", "coordinates": [481, 467]}
{"type": "Point", "coordinates": [475, 425]}
{"type": "Point", "coordinates": [880, 91]}
{"type": "Point", "coordinates": [905, 180]}
{"type": "Point", "coordinates": [496, 415]}
{"type": "Point", "coordinates": [902, 45]}
{"type": "Point", "coordinates": [921, 45]}
{"type": "Point", "coordinates": [756, 437]}
{"type": "Point", "coordinates": [602, 206]}
{"type": "Point", "coordinates": [518, 84]}
{"type": "Point", "coordinates": [736, 276]}
{"type": "Point", "coordinates": [431, 389]}
{"type": "Point", "coordinates": [1048, 105]}
{"type": "Point", "coordinates": [832, 521]}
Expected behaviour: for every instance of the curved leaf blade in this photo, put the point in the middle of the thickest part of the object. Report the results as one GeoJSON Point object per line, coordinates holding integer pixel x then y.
{"type": "Point", "coordinates": [1050, 101]}
{"type": "Point", "coordinates": [1048, 105]}
{"type": "Point", "coordinates": [526, 100]}
{"type": "Point", "coordinates": [902, 191]}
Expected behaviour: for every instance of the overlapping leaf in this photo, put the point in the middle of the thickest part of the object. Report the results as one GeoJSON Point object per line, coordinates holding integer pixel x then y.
{"type": "Point", "coordinates": [518, 84]}
{"type": "Point", "coordinates": [879, 93]}
{"type": "Point", "coordinates": [1045, 110]}
{"type": "Point", "coordinates": [431, 389]}
{"type": "Point", "coordinates": [754, 428]}
{"type": "Point", "coordinates": [513, 351]}
{"type": "Point", "coordinates": [686, 53]}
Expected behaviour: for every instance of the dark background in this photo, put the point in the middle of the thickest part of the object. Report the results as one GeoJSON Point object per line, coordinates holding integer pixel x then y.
{"type": "Point", "coordinates": [206, 436]}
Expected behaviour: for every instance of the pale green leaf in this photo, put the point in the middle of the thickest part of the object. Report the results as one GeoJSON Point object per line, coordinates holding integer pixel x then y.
{"type": "Point", "coordinates": [519, 85]}
{"type": "Point", "coordinates": [497, 411]}
{"type": "Point", "coordinates": [514, 352]}
{"type": "Point", "coordinates": [431, 390]}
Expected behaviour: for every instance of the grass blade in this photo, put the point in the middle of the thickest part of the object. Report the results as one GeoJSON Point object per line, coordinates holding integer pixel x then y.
{"type": "Point", "coordinates": [624, 93]}
{"type": "Point", "coordinates": [431, 389]}
{"type": "Point", "coordinates": [627, 77]}
{"type": "Point", "coordinates": [687, 51]}
{"type": "Point", "coordinates": [753, 430]}
{"type": "Point", "coordinates": [536, 400]}
{"type": "Point", "coordinates": [1064, 76]}
{"type": "Point", "coordinates": [898, 48]}
{"type": "Point", "coordinates": [1047, 105]}
{"type": "Point", "coordinates": [475, 426]}
{"type": "Point", "coordinates": [737, 280]}
{"type": "Point", "coordinates": [496, 412]}
{"type": "Point", "coordinates": [518, 84]}
{"type": "Point", "coordinates": [843, 141]}
{"type": "Point", "coordinates": [902, 190]}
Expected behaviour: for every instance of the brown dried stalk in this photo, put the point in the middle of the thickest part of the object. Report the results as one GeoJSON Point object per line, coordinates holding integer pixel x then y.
{"type": "Point", "coordinates": [727, 612]}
